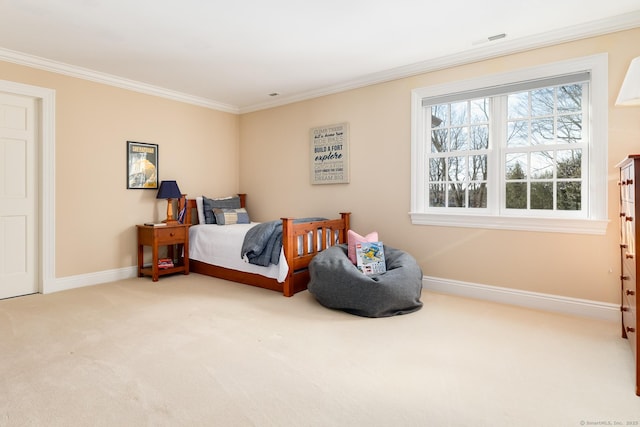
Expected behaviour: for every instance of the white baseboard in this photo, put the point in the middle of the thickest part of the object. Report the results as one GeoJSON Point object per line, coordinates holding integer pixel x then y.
{"type": "Point", "coordinates": [535, 300]}
{"type": "Point", "coordinates": [79, 281]}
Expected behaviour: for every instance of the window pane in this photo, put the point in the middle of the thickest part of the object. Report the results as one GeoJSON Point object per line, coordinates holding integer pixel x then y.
{"type": "Point", "coordinates": [456, 196]}
{"type": "Point", "coordinates": [541, 195]}
{"type": "Point", "coordinates": [459, 113]}
{"type": "Point", "coordinates": [569, 196]}
{"type": "Point", "coordinates": [480, 110]}
{"type": "Point", "coordinates": [569, 164]}
{"type": "Point", "coordinates": [570, 98]}
{"type": "Point", "coordinates": [478, 170]}
{"type": "Point", "coordinates": [439, 115]}
{"type": "Point", "coordinates": [516, 195]}
{"type": "Point", "coordinates": [457, 168]}
{"type": "Point", "coordinates": [439, 140]}
{"type": "Point", "coordinates": [459, 138]}
{"type": "Point", "coordinates": [542, 131]}
{"type": "Point", "coordinates": [478, 195]}
{"type": "Point", "coordinates": [436, 195]}
{"type": "Point", "coordinates": [518, 105]}
{"type": "Point", "coordinates": [570, 128]}
{"type": "Point", "coordinates": [436, 169]}
{"type": "Point", "coordinates": [516, 166]}
{"type": "Point", "coordinates": [542, 165]}
{"type": "Point", "coordinates": [542, 102]}
{"type": "Point", "coordinates": [518, 134]}
{"type": "Point", "coordinates": [479, 137]}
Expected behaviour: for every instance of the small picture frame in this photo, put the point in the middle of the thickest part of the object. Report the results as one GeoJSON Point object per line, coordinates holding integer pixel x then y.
{"type": "Point", "coordinates": [142, 165]}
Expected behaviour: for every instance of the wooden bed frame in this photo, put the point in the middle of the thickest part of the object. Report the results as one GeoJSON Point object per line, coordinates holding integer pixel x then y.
{"type": "Point", "coordinates": [298, 276]}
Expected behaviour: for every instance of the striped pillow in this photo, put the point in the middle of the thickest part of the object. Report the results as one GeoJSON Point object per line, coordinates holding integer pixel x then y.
{"type": "Point", "coordinates": [231, 216]}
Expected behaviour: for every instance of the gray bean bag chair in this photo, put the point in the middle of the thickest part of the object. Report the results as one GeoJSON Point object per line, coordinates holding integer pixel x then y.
{"type": "Point", "coordinates": [338, 284]}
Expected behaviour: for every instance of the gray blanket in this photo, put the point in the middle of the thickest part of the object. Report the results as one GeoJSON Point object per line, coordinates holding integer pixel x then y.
{"type": "Point", "coordinates": [262, 243]}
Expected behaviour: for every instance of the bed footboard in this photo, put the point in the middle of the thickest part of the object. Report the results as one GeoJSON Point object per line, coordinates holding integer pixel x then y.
{"type": "Point", "coordinates": [302, 241]}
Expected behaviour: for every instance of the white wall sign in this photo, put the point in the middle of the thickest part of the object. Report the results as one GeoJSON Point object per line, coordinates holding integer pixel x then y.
{"type": "Point", "coordinates": [330, 154]}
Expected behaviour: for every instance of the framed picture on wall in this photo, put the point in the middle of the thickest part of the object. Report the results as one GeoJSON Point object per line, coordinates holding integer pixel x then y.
{"type": "Point", "coordinates": [330, 154]}
{"type": "Point", "coordinates": [142, 165]}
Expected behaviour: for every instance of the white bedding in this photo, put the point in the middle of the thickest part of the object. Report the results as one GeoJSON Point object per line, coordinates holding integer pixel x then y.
{"type": "Point", "coordinates": [221, 245]}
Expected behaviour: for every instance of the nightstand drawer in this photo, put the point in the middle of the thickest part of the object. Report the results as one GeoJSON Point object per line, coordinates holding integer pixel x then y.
{"type": "Point", "coordinates": [170, 235]}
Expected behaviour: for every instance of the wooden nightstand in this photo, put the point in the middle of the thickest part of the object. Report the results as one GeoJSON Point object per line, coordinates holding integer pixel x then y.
{"type": "Point", "coordinates": [170, 236]}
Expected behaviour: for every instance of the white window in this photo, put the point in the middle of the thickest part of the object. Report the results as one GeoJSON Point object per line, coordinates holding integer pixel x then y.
{"type": "Point", "coordinates": [523, 150]}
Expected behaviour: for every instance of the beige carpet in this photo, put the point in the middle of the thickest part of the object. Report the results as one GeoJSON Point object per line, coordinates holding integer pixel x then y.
{"type": "Point", "coordinates": [196, 351]}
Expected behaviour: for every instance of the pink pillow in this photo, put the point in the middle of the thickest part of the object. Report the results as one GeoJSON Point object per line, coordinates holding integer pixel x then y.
{"type": "Point", "coordinates": [353, 238]}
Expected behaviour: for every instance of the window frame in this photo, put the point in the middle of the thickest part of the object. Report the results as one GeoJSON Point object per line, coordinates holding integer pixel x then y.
{"type": "Point", "coordinates": [596, 220]}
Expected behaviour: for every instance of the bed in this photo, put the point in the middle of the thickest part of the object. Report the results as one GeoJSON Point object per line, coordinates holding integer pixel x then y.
{"type": "Point", "coordinates": [215, 250]}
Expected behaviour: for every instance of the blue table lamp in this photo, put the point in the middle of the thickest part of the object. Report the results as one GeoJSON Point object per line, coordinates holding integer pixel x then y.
{"type": "Point", "coordinates": [169, 190]}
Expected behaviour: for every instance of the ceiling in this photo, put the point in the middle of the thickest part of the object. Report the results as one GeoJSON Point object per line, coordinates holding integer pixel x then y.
{"type": "Point", "coordinates": [232, 55]}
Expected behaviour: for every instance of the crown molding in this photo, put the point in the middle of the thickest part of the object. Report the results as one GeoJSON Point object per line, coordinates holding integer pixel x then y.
{"type": "Point", "coordinates": [111, 80]}
{"type": "Point", "coordinates": [493, 50]}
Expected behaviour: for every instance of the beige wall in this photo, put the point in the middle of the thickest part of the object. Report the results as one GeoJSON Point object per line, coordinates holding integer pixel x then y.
{"type": "Point", "coordinates": [95, 213]}
{"type": "Point", "coordinates": [266, 154]}
{"type": "Point", "coordinates": [274, 171]}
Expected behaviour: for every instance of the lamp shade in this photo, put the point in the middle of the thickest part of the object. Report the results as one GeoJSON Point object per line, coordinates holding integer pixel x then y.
{"type": "Point", "coordinates": [630, 91]}
{"type": "Point", "coordinates": [169, 190]}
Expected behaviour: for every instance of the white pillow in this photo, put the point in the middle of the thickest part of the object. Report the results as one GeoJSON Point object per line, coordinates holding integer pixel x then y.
{"type": "Point", "coordinates": [200, 208]}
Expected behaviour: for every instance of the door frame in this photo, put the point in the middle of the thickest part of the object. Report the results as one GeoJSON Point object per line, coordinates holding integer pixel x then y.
{"type": "Point", "coordinates": [46, 142]}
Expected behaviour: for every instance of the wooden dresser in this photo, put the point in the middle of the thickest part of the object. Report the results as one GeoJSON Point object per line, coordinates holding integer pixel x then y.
{"type": "Point", "coordinates": [629, 213]}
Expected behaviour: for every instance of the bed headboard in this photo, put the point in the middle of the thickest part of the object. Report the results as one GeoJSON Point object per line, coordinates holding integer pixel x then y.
{"type": "Point", "coordinates": [192, 219]}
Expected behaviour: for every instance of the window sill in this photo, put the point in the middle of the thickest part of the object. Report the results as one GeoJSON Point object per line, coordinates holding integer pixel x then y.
{"type": "Point", "coordinates": [547, 225]}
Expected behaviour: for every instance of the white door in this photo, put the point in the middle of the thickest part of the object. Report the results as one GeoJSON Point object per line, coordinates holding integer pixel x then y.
{"type": "Point", "coordinates": [18, 196]}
